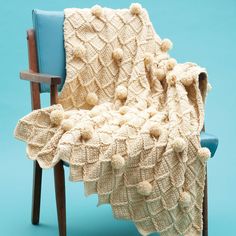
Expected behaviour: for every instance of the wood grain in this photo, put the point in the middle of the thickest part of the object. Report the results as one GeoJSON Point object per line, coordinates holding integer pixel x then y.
{"type": "Point", "coordinates": [40, 78]}
{"type": "Point", "coordinates": [35, 103]}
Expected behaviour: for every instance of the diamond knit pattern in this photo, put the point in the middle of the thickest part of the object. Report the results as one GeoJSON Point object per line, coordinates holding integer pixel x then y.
{"type": "Point", "coordinates": [153, 124]}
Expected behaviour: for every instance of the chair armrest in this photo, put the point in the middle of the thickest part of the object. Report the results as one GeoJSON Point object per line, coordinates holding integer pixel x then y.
{"type": "Point", "coordinates": [40, 78]}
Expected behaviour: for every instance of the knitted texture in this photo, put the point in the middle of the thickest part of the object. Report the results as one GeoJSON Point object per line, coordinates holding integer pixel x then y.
{"type": "Point", "coordinates": [128, 121]}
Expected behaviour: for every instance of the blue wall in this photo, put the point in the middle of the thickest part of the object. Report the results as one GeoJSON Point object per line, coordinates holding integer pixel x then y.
{"type": "Point", "coordinates": [202, 31]}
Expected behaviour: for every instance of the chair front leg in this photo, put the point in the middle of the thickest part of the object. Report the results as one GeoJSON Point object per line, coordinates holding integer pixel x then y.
{"type": "Point", "coordinates": [205, 208]}
{"type": "Point", "coordinates": [36, 194]}
{"type": "Point", "coordinates": [59, 179]}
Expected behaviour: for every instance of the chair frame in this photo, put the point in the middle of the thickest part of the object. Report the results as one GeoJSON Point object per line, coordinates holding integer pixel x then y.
{"type": "Point", "coordinates": [35, 79]}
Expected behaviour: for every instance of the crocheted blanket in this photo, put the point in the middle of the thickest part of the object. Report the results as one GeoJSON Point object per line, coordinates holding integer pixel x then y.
{"type": "Point", "coordinates": [127, 121]}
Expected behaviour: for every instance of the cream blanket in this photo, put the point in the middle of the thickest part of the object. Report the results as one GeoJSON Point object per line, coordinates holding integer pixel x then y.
{"type": "Point", "coordinates": [128, 121]}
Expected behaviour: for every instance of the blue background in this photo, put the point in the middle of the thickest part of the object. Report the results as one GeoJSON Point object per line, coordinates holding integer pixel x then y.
{"type": "Point", "coordinates": [202, 31]}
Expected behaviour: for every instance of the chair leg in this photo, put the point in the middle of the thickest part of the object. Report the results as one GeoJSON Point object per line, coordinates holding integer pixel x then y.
{"type": "Point", "coordinates": [36, 194]}
{"type": "Point", "coordinates": [59, 179]}
{"type": "Point", "coordinates": [205, 209]}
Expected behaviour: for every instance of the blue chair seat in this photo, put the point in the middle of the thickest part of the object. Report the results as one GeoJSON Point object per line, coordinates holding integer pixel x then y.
{"type": "Point", "coordinates": [210, 141]}
{"type": "Point", "coordinates": [207, 140]}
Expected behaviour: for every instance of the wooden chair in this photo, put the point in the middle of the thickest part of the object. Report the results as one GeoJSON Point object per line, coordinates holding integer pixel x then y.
{"type": "Point", "coordinates": [47, 74]}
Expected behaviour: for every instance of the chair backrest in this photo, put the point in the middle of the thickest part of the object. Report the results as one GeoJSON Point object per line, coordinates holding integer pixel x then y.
{"type": "Point", "coordinates": [48, 26]}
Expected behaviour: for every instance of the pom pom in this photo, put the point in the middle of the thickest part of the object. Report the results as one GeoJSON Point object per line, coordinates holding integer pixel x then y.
{"type": "Point", "coordinates": [117, 161]}
{"type": "Point", "coordinates": [204, 153]}
{"type": "Point", "coordinates": [185, 199]}
{"type": "Point", "coordinates": [144, 188]}
{"type": "Point", "coordinates": [155, 131]}
{"type": "Point", "coordinates": [97, 11]}
{"type": "Point", "coordinates": [148, 61]}
{"type": "Point", "coordinates": [86, 133]}
{"type": "Point", "coordinates": [121, 92]}
{"type": "Point", "coordinates": [123, 110]}
{"type": "Point", "coordinates": [179, 144]}
{"type": "Point", "coordinates": [166, 45]}
{"type": "Point", "coordinates": [117, 54]}
{"type": "Point", "coordinates": [135, 9]}
{"type": "Point", "coordinates": [67, 125]}
{"type": "Point", "coordinates": [92, 99]}
{"type": "Point", "coordinates": [171, 63]}
{"type": "Point", "coordinates": [160, 74]}
{"type": "Point", "coordinates": [171, 79]}
{"type": "Point", "coordinates": [56, 117]}
{"type": "Point", "coordinates": [79, 52]}
{"type": "Point", "coordinates": [187, 81]}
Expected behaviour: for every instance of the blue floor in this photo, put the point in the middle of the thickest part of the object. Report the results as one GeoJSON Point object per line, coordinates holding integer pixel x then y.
{"type": "Point", "coordinates": [202, 32]}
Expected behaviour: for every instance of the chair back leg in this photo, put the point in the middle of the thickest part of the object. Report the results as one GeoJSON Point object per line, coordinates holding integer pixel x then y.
{"type": "Point", "coordinates": [59, 178]}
